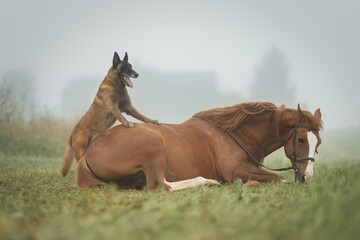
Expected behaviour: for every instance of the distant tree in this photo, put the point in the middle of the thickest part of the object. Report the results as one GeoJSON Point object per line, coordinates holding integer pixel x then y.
{"type": "Point", "coordinates": [17, 102]}
{"type": "Point", "coordinates": [17, 94]}
{"type": "Point", "coordinates": [272, 79]}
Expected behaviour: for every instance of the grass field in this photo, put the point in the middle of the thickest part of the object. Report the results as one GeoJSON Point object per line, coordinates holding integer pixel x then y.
{"type": "Point", "coordinates": [38, 203]}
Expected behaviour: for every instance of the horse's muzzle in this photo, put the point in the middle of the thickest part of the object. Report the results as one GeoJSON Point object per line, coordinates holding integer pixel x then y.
{"type": "Point", "coordinates": [299, 176]}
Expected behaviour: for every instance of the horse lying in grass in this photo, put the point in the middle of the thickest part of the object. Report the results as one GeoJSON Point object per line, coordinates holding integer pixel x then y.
{"type": "Point", "coordinates": [220, 145]}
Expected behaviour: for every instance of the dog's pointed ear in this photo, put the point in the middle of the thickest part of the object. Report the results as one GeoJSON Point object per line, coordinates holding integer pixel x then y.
{"type": "Point", "coordinates": [116, 60]}
{"type": "Point", "coordinates": [126, 57]}
{"type": "Point", "coordinates": [301, 115]}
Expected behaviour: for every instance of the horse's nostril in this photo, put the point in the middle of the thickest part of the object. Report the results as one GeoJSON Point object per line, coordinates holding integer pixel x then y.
{"type": "Point", "coordinates": [299, 177]}
{"type": "Point", "coordinates": [303, 179]}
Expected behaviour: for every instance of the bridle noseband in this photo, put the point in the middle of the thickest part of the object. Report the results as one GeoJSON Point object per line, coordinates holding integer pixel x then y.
{"type": "Point", "coordinates": [293, 157]}
{"type": "Point", "coordinates": [294, 161]}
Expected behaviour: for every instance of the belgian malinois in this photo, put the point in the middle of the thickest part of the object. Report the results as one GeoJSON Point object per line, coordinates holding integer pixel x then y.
{"type": "Point", "coordinates": [111, 99]}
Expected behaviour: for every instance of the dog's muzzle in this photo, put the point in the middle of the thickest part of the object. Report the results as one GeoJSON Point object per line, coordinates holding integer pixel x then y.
{"type": "Point", "coordinates": [127, 81]}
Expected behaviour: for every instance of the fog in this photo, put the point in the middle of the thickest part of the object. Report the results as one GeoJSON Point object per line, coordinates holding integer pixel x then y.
{"type": "Point", "coordinates": [191, 55]}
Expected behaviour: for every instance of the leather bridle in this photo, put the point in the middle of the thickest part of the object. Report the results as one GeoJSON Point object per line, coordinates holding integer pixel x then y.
{"type": "Point", "coordinates": [294, 160]}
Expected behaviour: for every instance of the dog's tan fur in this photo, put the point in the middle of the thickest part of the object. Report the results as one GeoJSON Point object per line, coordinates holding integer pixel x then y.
{"type": "Point", "coordinates": [111, 100]}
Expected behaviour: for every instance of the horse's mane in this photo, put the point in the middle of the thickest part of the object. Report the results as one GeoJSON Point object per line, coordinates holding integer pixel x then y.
{"type": "Point", "coordinates": [232, 117]}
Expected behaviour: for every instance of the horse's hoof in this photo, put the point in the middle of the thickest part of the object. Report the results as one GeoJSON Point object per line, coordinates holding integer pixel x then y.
{"type": "Point", "coordinates": [129, 125]}
{"type": "Point", "coordinates": [238, 181]}
{"type": "Point", "coordinates": [211, 182]}
{"type": "Point", "coordinates": [252, 183]}
{"type": "Point", "coordinates": [284, 181]}
{"type": "Point", "coordinates": [155, 122]}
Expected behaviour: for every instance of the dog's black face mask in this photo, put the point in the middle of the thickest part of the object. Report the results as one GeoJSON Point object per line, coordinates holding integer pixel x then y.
{"type": "Point", "coordinates": [125, 70]}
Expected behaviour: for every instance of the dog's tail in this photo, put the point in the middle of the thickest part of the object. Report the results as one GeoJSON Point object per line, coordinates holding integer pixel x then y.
{"type": "Point", "coordinates": [68, 158]}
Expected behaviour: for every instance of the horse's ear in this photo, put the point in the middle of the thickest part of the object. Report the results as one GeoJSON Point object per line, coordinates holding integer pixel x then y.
{"type": "Point", "coordinates": [126, 57]}
{"type": "Point", "coordinates": [116, 60]}
{"type": "Point", "coordinates": [301, 115]}
{"type": "Point", "coordinates": [317, 113]}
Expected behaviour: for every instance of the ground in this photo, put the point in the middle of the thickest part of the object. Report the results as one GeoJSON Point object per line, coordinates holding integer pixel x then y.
{"type": "Point", "coordinates": [38, 203]}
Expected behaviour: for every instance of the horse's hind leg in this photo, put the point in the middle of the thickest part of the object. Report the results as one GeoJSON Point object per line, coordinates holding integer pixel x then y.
{"type": "Point", "coordinates": [85, 178]}
{"type": "Point", "coordinates": [190, 183]}
{"type": "Point", "coordinates": [155, 173]}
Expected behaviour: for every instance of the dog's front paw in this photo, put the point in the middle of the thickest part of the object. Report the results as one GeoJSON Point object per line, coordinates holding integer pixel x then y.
{"type": "Point", "coordinates": [129, 125]}
{"type": "Point", "coordinates": [155, 122]}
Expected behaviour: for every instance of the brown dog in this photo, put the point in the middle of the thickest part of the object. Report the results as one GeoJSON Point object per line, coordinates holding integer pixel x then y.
{"type": "Point", "coordinates": [111, 99]}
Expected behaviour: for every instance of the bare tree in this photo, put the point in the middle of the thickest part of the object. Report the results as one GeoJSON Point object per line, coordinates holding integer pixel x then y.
{"type": "Point", "coordinates": [17, 97]}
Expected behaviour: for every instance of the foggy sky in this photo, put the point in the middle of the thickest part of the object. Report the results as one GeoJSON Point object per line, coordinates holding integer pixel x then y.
{"type": "Point", "coordinates": [58, 41]}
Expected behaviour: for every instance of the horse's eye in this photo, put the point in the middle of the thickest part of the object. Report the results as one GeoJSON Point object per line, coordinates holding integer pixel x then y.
{"type": "Point", "coordinates": [301, 140]}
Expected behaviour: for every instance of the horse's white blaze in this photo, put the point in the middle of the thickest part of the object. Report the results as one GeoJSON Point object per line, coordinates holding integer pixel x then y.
{"type": "Point", "coordinates": [190, 183]}
{"type": "Point", "coordinates": [312, 140]}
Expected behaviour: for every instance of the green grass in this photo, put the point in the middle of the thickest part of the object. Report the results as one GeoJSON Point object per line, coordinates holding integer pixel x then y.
{"type": "Point", "coordinates": [38, 203]}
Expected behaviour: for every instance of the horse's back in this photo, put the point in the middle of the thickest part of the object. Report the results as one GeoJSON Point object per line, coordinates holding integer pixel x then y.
{"type": "Point", "coordinates": [189, 153]}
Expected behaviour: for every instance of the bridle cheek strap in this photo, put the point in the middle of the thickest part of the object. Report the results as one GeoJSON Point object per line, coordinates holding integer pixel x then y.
{"type": "Point", "coordinates": [294, 166]}
{"type": "Point", "coordinates": [294, 160]}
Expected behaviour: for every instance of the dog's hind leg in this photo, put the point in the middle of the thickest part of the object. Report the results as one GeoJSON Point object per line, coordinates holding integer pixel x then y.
{"type": "Point", "coordinates": [80, 143]}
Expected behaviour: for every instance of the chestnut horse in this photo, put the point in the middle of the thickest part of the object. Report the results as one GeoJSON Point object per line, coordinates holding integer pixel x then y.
{"type": "Point", "coordinates": [207, 145]}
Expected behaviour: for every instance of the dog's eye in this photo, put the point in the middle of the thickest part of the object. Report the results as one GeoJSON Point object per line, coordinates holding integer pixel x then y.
{"type": "Point", "coordinates": [301, 140]}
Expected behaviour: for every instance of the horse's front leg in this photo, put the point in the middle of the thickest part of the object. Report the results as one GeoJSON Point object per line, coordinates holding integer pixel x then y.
{"type": "Point", "coordinates": [253, 176]}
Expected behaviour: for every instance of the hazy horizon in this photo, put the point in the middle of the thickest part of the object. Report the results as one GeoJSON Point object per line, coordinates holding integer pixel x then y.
{"type": "Point", "coordinates": [60, 42]}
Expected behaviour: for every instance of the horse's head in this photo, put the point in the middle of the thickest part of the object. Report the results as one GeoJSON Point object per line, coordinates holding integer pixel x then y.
{"type": "Point", "coordinates": [301, 145]}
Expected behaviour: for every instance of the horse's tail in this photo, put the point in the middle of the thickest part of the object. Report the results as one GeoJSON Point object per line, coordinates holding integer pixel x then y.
{"type": "Point", "coordinates": [68, 158]}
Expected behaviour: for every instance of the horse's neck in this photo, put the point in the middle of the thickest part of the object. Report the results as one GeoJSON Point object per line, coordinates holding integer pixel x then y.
{"type": "Point", "coordinates": [263, 137]}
